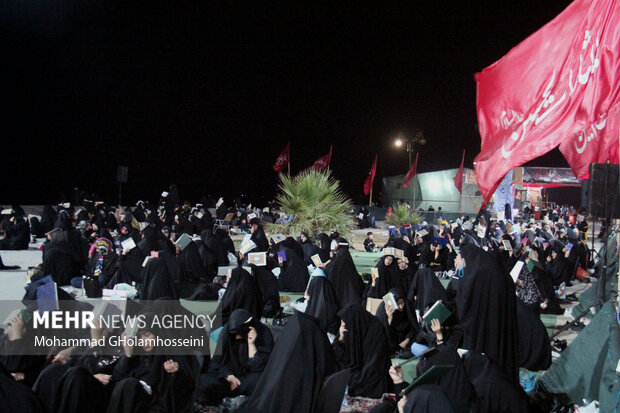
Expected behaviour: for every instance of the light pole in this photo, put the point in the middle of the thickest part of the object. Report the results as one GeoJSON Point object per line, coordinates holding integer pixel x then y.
{"type": "Point", "coordinates": [410, 141]}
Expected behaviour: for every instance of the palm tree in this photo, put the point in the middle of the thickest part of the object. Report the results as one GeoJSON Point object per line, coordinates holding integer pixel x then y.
{"type": "Point", "coordinates": [403, 215]}
{"type": "Point", "coordinates": [316, 202]}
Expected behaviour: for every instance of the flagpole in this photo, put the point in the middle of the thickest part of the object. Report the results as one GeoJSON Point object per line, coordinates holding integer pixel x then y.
{"type": "Point", "coordinates": [370, 201]}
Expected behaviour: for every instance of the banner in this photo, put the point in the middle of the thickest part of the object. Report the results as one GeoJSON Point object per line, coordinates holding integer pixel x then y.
{"type": "Point", "coordinates": [410, 173]}
{"type": "Point", "coordinates": [283, 159]}
{"type": "Point", "coordinates": [371, 177]}
{"type": "Point", "coordinates": [554, 87]}
{"type": "Point", "coordinates": [323, 161]}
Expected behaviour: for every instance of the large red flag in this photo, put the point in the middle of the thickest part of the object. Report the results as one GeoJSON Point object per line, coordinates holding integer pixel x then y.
{"type": "Point", "coordinates": [283, 159]}
{"type": "Point", "coordinates": [555, 87]}
{"type": "Point", "coordinates": [371, 177]}
{"type": "Point", "coordinates": [458, 178]}
{"type": "Point", "coordinates": [411, 172]}
{"type": "Point", "coordinates": [323, 161]}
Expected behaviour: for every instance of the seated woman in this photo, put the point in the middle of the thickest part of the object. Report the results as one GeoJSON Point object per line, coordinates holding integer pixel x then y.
{"type": "Point", "coordinates": [156, 281]}
{"type": "Point", "coordinates": [300, 361]}
{"type": "Point", "coordinates": [145, 378]}
{"type": "Point", "coordinates": [16, 233]}
{"type": "Point", "coordinates": [322, 302]}
{"type": "Point", "coordinates": [103, 261]}
{"type": "Point", "coordinates": [58, 260]}
{"type": "Point", "coordinates": [242, 291]}
{"type": "Point", "coordinates": [243, 349]}
{"type": "Point", "coordinates": [400, 323]}
{"type": "Point", "coordinates": [363, 347]}
{"type": "Point", "coordinates": [17, 350]}
{"type": "Point", "coordinates": [84, 379]}
{"type": "Point", "coordinates": [382, 280]}
{"type": "Point", "coordinates": [294, 275]}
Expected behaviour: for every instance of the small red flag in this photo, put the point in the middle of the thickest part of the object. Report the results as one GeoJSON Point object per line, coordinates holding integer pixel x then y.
{"type": "Point", "coordinates": [283, 159]}
{"type": "Point", "coordinates": [371, 177]}
{"type": "Point", "coordinates": [323, 161]}
{"type": "Point", "coordinates": [458, 178]}
{"type": "Point", "coordinates": [411, 172]}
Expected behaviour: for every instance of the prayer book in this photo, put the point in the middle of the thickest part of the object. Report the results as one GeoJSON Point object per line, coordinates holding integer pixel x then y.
{"type": "Point", "coordinates": [219, 202]}
{"type": "Point", "coordinates": [422, 233]}
{"type": "Point", "coordinates": [155, 254]}
{"type": "Point", "coordinates": [516, 270]}
{"type": "Point", "coordinates": [251, 216]}
{"type": "Point", "coordinates": [360, 216]}
{"type": "Point", "coordinates": [506, 245]}
{"type": "Point", "coordinates": [437, 311]}
{"type": "Point", "coordinates": [569, 247]}
{"type": "Point", "coordinates": [282, 256]}
{"type": "Point", "coordinates": [131, 330]}
{"type": "Point", "coordinates": [430, 376]}
{"type": "Point", "coordinates": [530, 265]}
{"type": "Point", "coordinates": [128, 244]}
{"type": "Point", "coordinates": [454, 225]}
{"type": "Point", "coordinates": [11, 316]}
{"type": "Point", "coordinates": [146, 261]}
{"type": "Point", "coordinates": [372, 304]}
{"type": "Point", "coordinates": [106, 310]}
{"type": "Point", "coordinates": [258, 258]}
{"type": "Point", "coordinates": [47, 297]}
{"type": "Point", "coordinates": [247, 247]}
{"type": "Point", "coordinates": [277, 238]}
{"type": "Point", "coordinates": [440, 241]}
{"type": "Point", "coordinates": [316, 260]}
{"type": "Point", "coordinates": [533, 255]}
{"type": "Point", "coordinates": [200, 215]}
{"type": "Point", "coordinates": [183, 241]}
{"type": "Point", "coordinates": [7, 211]}
{"type": "Point", "coordinates": [389, 299]}
{"type": "Point", "coordinates": [164, 194]}
{"type": "Point", "coordinates": [374, 272]}
{"type": "Point", "coordinates": [395, 252]}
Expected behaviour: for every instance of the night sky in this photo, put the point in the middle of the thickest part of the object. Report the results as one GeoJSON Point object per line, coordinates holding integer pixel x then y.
{"type": "Point", "coordinates": [207, 96]}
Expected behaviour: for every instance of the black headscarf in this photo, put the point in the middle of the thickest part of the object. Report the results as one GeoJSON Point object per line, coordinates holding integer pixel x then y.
{"type": "Point", "coordinates": [300, 361]}
{"type": "Point", "coordinates": [425, 290]}
{"type": "Point", "coordinates": [486, 307]}
{"type": "Point", "coordinates": [156, 281]}
{"type": "Point", "coordinates": [365, 350]}
{"type": "Point", "coordinates": [191, 264]}
{"type": "Point", "coordinates": [242, 292]}
{"type": "Point", "coordinates": [232, 354]}
{"type": "Point", "coordinates": [323, 304]}
{"type": "Point", "coordinates": [294, 274]}
{"type": "Point", "coordinates": [345, 279]}
{"type": "Point", "coordinates": [269, 288]}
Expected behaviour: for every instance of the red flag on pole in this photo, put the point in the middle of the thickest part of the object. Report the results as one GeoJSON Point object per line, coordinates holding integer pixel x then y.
{"type": "Point", "coordinates": [283, 159]}
{"type": "Point", "coordinates": [323, 161]}
{"type": "Point", "coordinates": [371, 177]}
{"type": "Point", "coordinates": [559, 86]}
{"type": "Point", "coordinates": [411, 172]}
{"type": "Point", "coordinates": [458, 178]}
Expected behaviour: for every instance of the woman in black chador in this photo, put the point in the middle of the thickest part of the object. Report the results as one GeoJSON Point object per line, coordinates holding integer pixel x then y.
{"type": "Point", "coordinates": [243, 349]}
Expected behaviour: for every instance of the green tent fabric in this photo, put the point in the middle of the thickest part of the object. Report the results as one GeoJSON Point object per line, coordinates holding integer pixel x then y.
{"type": "Point", "coordinates": [586, 369]}
{"type": "Point", "coordinates": [588, 297]}
{"type": "Point", "coordinates": [364, 261]}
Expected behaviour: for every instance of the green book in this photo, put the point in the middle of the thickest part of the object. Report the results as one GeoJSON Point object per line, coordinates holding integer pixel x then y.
{"type": "Point", "coordinates": [437, 311]}
{"type": "Point", "coordinates": [430, 376]}
{"type": "Point", "coordinates": [183, 241]}
{"type": "Point", "coordinates": [530, 265]}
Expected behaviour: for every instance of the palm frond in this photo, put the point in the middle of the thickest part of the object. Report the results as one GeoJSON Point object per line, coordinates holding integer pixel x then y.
{"type": "Point", "coordinates": [316, 202]}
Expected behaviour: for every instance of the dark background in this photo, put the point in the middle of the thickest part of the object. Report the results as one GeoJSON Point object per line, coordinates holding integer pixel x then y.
{"type": "Point", "coordinates": [206, 96]}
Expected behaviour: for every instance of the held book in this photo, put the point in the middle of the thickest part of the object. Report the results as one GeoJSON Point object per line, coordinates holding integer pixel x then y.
{"type": "Point", "coordinates": [437, 311]}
